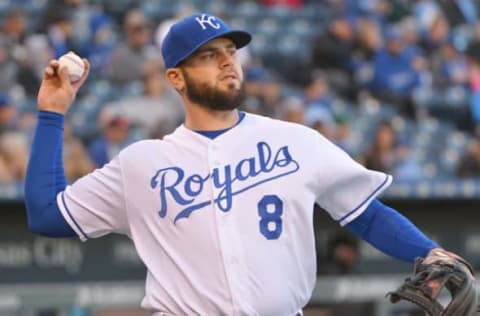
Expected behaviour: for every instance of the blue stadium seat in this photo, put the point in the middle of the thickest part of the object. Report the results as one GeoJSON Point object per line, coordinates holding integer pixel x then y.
{"type": "Point", "coordinates": [157, 10]}
{"type": "Point", "coordinates": [268, 27]}
{"type": "Point", "coordinates": [260, 45]}
{"type": "Point", "coordinates": [302, 28]}
{"type": "Point", "coordinates": [248, 9]}
{"type": "Point", "coordinates": [216, 7]}
{"type": "Point", "coordinates": [462, 35]}
{"type": "Point", "coordinates": [314, 13]}
{"type": "Point", "coordinates": [5, 5]}
{"type": "Point", "coordinates": [103, 90]}
{"type": "Point", "coordinates": [289, 45]}
{"type": "Point", "coordinates": [134, 88]}
{"type": "Point", "coordinates": [84, 116]}
{"type": "Point", "coordinates": [240, 23]}
{"type": "Point", "coordinates": [36, 5]}
{"type": "Point", "coordinates": [282, 14]}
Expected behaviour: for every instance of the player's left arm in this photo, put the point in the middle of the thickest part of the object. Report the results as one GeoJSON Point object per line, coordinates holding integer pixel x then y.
{"type": "Point", "coordinates": [392, 233]}
{"type": "Point", "coordinates": [45, 175]}
{"type": "Point", "coordinates": [46, 178]}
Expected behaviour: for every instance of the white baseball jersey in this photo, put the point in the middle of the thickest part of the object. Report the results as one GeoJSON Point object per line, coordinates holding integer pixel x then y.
{"type": "Point", "coordinates": [225, 225]}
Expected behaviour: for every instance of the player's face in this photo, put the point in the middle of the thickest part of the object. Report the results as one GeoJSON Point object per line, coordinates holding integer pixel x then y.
{"type": "Point", "coordinates": [213, 77]}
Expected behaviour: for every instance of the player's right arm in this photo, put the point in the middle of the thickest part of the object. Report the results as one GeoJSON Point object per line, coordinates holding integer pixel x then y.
{"type": "Point", "coordinates": [45, 175]}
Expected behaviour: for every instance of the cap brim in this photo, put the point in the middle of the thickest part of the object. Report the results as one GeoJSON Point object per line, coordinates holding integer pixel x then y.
{"type": "Point", "coordinates": [240, 38]}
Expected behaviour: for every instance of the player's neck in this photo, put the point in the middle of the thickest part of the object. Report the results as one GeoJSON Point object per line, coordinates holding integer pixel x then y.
{"type": "Point", "coordinates": [200, 119]}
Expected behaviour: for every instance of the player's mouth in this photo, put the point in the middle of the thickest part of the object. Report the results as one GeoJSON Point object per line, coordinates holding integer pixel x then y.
{"type": "Point", "coordinates": [229, 76]}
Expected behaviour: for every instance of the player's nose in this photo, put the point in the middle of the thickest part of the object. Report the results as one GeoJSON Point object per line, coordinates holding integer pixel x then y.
{"type": "Point", "coordinates": [226, 59]}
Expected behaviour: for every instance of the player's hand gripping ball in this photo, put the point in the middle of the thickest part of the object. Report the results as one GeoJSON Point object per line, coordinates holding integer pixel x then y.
{"type": "Point", "coordinates": [74, 64]}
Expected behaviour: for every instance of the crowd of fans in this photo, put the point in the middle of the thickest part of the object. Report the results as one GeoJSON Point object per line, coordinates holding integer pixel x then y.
{"type": "Point", "coordinates": [420, 59]}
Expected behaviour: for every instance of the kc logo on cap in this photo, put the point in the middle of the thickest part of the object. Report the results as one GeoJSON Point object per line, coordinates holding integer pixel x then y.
{"type": "Point", "coordinates": [207, 19]}
{"type": "Point", "coordinates": [188, 34]}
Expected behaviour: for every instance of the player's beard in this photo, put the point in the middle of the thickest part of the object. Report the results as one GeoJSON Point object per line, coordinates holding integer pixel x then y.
{"type": "Point", "coordinates": [213, 98]}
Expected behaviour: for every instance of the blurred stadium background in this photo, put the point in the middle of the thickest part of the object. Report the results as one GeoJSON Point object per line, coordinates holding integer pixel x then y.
{"type": "Point", "coordinates": [394, 83]}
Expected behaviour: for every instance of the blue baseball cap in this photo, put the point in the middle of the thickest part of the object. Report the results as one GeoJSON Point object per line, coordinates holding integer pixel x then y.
{"type": "Point", "coordinates": [5, 100]}
{"type": "Point", "coordinates": [393, 33]}
{"type": "Point", "coordinates": [190, 33]}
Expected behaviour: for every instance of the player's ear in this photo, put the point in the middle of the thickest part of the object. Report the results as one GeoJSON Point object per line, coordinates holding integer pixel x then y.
{"type": "Point", "coordinates": [175, 77]}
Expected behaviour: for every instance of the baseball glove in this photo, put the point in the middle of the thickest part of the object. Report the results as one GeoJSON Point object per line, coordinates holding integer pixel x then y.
{"type": "Point", "coordinates": [440, 269]}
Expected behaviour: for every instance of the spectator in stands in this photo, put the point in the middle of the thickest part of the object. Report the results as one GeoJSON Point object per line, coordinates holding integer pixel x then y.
{"type": "Point", "coordinates": [158, 105]}
{"type": "Point", "coordinates": [263, 91]}
{"type": "Point", "coordinates": [342, 255]}
{"type": "Point", "coordinates": [8, 114]}
{"type": "Point", "coordinates": [317, 92]}
{"type": "Point", "coordinates": [342, 134]}
{"type": "Point", "coordinates": [14, 151]}
{"type": "Point", "coordinates": [378, 10]}
{"type": "Point", "coordinates": [368, 42]}
{"type": "Point", "coordinates": [292, 109]}
{"type": "Point", "coordinates": [8, 68]}
{"type": "Point", "coordinates": [473, 46]}
{"type": "Point", "coordinates": [334, 126]}
{"type": "Point", "coordinates": [114, 138]}
{"type": "Point", "coordinates": [460, 12]}
{"type": "Point", "coordinates": [410, 32]}
{"type": "Point", "coordinates": [469, 164]}
{"type": "Point", "coordinates": [395, 75]}
{"type": "Point", "coordinates": [435, 35]}
{"type": "Point", "coordinates": [14, 142]}
{"type": "Point", "coordinates": [37, 54]}
{"type": "Point", "coordinates": [390, 155]}
{"type": "Point", "coordinates": [59, 30]}
{"type": "Point", "coordinates": [381, 154]}
{"type": "Point", "coordinates": [451, 74]}
{"type": "Point", "coordinates": [473, 55]}
{"type": "Point", "coordinates": [406, 167]}
{"type": "Point", "coordinates": [135, 56]}
{"type": "Point", "coordinates": [101, 42]}
{"type": "Point", "coordinates": [348, 8]}
{"type": "Point", "coordinates": [425, 12]}
{"type": "Point", "coordinates": [76, 161]}
{"type": "Point", "coordinates": [78, 12]}
{"type": "Point", "coordinates": [453, 66]}
{"type": "Point", "coordinates": [11, 143]}
{"type": "Point", "coordinates": [13, 28]}
{"type": "Point", "coordinates": [14, 32]}
{"type": "Point", "coordinates": [332, 53]}
{"type": "Point", "coordinates": [5, 175]}
{"type": "Point", "coordinates": [321, 120]}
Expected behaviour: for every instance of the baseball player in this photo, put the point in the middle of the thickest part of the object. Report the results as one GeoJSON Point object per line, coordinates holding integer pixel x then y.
{"type": "Point", "coordinates": [221, 210]}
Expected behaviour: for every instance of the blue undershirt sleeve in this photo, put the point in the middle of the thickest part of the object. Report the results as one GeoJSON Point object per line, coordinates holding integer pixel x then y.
{"type": "Point", "coordinates": [390, 232]}
{"type": "Point", "coordinates": [45, 178]}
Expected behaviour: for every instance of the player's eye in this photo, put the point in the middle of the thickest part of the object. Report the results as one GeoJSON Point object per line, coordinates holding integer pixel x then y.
{"type": "Point", "coordinates": [208, 55]}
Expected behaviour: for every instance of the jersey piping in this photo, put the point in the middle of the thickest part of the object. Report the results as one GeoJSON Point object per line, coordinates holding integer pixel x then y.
{"type": "Point", "coordinates": [349, 216]}
{"type": "Point", "coordinates": [76, 226]}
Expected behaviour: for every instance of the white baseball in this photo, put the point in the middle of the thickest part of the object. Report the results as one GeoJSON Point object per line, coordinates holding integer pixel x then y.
{"type": "Point", "coordinates": [74, 65]}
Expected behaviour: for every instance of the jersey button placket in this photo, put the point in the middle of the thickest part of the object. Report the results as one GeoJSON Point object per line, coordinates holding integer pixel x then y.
{"type": "Point", "coordinates": [213, 158]}
{"type": "Point", "coordinates": [233, 255]}
{"type": "Point", "coordinates": [214, 161]}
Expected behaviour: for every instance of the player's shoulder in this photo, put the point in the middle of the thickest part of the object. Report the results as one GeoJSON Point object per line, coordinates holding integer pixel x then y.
{"type": "Point", "coordinates": [280, 126]}
{"type": "Point", "coordinates": [141, 148]}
